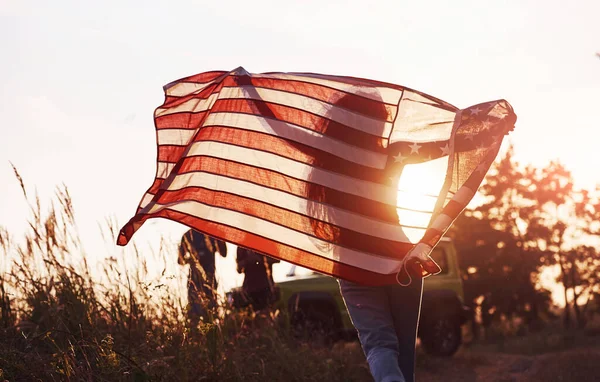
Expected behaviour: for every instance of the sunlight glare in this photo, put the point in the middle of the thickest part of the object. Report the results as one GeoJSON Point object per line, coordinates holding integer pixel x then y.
{"type": "Point", "coordinates": [418, 189]}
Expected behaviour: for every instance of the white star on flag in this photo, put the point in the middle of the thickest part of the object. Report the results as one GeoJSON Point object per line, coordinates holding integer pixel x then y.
{"type": "Point", "coordinates": [487, 124]}
{"type": "Point", "coordinates": [482, 167]}
{"type": "Point", "coordinates": [399, 158]}
{"type": "Point", "coordinates": [414, 148]}
{"type": "Point", "coordinates": [445, 149]}
{"type": "Point", "coordinates": [475, 111]}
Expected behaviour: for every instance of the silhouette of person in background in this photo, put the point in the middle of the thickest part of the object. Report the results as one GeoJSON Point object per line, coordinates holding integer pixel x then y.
{"type": "Point", "coordinates": [198, 250]}
{"type": "Point", "coordinates": [258, 285]}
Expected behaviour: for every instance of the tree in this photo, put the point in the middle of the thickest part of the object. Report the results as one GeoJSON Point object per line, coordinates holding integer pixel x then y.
{"type": "Point", "coordinates": [563, 225]}
{"type": "Point", "coordinates": [500, 257]}
{"type": "Point", "coordinates": [530, 218]}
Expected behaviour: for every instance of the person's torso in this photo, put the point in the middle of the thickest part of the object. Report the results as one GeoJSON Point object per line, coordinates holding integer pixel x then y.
{"type": "Point", "coordinates": [203, 255]}
{"type": "Point", "coordinates": [257, 277]}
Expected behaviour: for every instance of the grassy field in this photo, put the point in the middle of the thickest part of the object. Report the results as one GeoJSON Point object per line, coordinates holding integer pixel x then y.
{"type": "Point", "coordinates": [64, 319]}
{"type": "Point", "coordinates": [61, 321]}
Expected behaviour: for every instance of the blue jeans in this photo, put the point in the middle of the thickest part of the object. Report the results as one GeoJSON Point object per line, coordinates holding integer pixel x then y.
{"type": "Point", "coordinates": [386, 318]}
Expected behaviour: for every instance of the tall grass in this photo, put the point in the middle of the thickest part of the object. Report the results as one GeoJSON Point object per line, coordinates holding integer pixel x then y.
{"type": "Point", "coordinates": [64, 319]}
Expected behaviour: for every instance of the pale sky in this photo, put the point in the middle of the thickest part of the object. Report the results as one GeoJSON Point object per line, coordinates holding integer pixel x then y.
{"type": "Point", "coordinates": [80, 79]}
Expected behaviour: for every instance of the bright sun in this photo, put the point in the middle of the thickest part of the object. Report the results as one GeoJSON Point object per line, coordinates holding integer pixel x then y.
{"type": "Point", "coordinates": [418, 190]}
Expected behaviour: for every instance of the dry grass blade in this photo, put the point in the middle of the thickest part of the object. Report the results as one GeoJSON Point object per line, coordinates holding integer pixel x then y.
{"type": "Point", "coordinates": [19, 178]}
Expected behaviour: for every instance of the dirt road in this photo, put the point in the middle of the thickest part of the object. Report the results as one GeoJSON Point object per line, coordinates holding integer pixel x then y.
{"type": "Point", "coordinates": [578, 365]}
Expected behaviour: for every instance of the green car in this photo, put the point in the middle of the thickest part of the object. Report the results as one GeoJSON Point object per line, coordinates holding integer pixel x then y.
{"type": "Point", "coordinates": [313, 301]}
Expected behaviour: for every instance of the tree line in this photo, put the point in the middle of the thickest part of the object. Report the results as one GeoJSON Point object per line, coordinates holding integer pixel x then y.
{"type": "Point", "coordinates": [531, 218]}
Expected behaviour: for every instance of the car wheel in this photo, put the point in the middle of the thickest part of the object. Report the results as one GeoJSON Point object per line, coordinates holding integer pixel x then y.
{"type": "Point", "coordinates": [442, 337]}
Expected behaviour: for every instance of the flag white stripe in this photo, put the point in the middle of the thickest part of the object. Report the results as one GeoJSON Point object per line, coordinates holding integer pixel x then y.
{"type": "Point", "coordinates": [275, 232]}
{"type": "Point", "coordinates": [298, 134]}
{"type": "Point", "coordinates": [353, 120]}
{"type": "Point", "coordinates": [182, 89]}
{"type": "Point", "coordinates": [420, 121]}
{"type": "Point", "coordinates": [383, 94]}
{"type": "Point", "coordinates": [164, 169]}
{"type": "Point", "coordinates": [333, 215]}
{"type": "Point", "coordinates": [146, 200]}
{"type": "Point", "coordinates": [344, 116]}
{"type": "Point", "coordinates": [441, 222]}
{"type": "Point", "coordinates": [463, 195]}
{"type": "Point", "coordinates": [193, 105]}
{"type": "Point", "coordinates": [179, 137]}
{"type": "Point", "coordinates": [298, 170]}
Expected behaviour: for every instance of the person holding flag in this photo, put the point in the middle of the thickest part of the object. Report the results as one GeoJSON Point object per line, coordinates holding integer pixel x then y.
{"type": "Point", "coordinates": [304, 168]}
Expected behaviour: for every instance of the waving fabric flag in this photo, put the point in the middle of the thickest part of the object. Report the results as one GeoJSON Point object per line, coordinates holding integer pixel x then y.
{"type": "Point", "coordinates": [305, 167]}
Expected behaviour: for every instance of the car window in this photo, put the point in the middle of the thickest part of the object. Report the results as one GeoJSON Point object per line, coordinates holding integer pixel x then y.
{"type": "Point", "coordinates": [441, 258]}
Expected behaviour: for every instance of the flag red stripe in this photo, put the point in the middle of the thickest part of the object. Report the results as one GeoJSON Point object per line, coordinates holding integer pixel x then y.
{"type": "Point", "coordinates": [266, 246]}
{"type": "Point", "coordinates": [173, 101]}
{"type": "Point", "coordinates": [180, 120]}
{"type": "Point", "coordinates": [297, 85]}
{"type": "Point", "coordinates": [368, 82]}
{"type": "Point", "coordinates": [298, 222]}
{"type": "Point", "coordinates": [303, 119]}
{"type": "Point", "coordinates": [453, 209]}
{"type": "Point", "coordinates": [277, 146]}
{"type": "Point", "coordinates": [170, 153]}
{"type": "Point", "coordinates": [358, 81]}
{"type": "Point", "coordinates": [155, 186]}
{"type": "Point", "coordinates": [199, 78]}
{"type": "Point", "coordinates": [356, 104]}
{"type": "Point", "coordinates": [282, 147]}
{"type": "Point", "coordinates": [353, 102]}
{"type": "Point", "coordinates": [431, 237]}
{"type": "Point", "coordinates": [273, 110]}
{"type": "Point", "coordinates": [284, 183]}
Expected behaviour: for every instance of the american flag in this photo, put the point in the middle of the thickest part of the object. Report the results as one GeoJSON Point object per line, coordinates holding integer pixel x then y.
{"type": "Point", "coordinates": [305, 167]}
